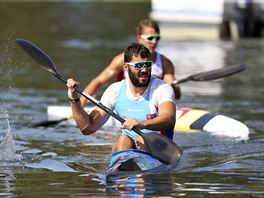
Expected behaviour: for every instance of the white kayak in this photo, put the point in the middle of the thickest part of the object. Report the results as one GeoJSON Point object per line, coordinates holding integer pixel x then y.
{"type": "Point", "coordinates": [187, 120]}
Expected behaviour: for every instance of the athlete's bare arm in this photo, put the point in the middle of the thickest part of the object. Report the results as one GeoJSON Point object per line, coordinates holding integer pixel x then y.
{"type": "Point", "coordinates": [169, 76]}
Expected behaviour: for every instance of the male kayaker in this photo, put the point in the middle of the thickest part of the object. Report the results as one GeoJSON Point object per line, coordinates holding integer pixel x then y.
{"type": "Point", "coordinates": [148, 34]}
{"type": "Point", "coordinates": [145, 102]}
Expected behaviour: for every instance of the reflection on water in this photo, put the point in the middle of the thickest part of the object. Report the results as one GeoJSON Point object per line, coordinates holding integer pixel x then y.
{"type": "Point", "coordinates": [60, 161]}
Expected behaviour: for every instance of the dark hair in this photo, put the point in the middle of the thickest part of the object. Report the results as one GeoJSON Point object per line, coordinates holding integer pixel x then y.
{"type": "Point", "coordinates": [147, 23]}
{"type": "Point", "coordinates": [136, 49]}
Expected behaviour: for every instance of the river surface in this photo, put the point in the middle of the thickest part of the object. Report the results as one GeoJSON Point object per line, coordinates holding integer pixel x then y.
{"type": "Point", "coordinates": [82, 38]}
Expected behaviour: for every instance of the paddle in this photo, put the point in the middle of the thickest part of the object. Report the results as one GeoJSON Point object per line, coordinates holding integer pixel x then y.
{"type": "Point", "coordinates": [214, 74]}
{"type": "Point", "coordinates": [204, 76]}
{"type": "Point", "coordinates": [158, 145]}
{"type": "Point", "coordinates": [47, 123]}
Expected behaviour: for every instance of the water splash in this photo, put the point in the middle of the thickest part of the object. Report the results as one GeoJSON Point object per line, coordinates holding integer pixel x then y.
{"type": "Point", "coordinates": [8, 62]}
{"type": "Point", "coordinates": [7, 155]}
{"type": "Point", "coordinates": [7, 145]}
{"type": "Point", "coordinates": [7, 67]}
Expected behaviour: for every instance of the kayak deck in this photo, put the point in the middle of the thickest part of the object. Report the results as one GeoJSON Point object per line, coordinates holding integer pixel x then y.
{"type": "Point", "coordinates": [133, 161]}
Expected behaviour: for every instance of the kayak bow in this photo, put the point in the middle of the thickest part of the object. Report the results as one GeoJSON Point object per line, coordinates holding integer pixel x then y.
{"type": "Point", "coordinates": [133, 161]}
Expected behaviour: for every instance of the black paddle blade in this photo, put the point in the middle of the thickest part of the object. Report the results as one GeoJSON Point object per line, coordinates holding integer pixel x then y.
{"type": "Point", "coordinates": [38, 55]}
{"type": "Point", "coordinates": [46, 123]}
{"type": "Point", "coordinates": [219, 73]}
{"type": "Point", "coordinates": [214, 74]}
{"type": "Point", "coordinates": [162, 147]}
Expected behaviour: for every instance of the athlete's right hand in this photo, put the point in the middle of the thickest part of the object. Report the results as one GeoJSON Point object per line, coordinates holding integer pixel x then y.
{"type": "Point", "coordinates": [72, 84]}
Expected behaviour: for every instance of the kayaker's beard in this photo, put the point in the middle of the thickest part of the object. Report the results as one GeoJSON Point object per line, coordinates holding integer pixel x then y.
{"type": "Point", "coordinates": [135, 79]}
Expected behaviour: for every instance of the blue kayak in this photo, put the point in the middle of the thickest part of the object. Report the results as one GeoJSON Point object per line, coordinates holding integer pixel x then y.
{"type": "Point", "coordinates": [133, 161]}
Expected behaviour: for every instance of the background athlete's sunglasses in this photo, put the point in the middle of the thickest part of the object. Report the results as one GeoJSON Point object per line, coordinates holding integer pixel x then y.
{"type": "Point", "coordinates": [141, 65]}
{"type": "Point", "coordinates": [150, 37]}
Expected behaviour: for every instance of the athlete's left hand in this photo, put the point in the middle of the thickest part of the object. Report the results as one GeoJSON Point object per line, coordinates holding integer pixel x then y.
{"type": "Point", "coordinates": [132, 123]}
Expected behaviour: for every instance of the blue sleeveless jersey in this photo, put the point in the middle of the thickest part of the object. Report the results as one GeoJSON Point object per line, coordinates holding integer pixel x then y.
{"type": "Point", "coordinates": [139, 110]}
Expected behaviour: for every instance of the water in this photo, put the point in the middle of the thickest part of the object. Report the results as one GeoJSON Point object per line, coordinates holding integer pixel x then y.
{"type": "Point", "coordinates": [82, 38]}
